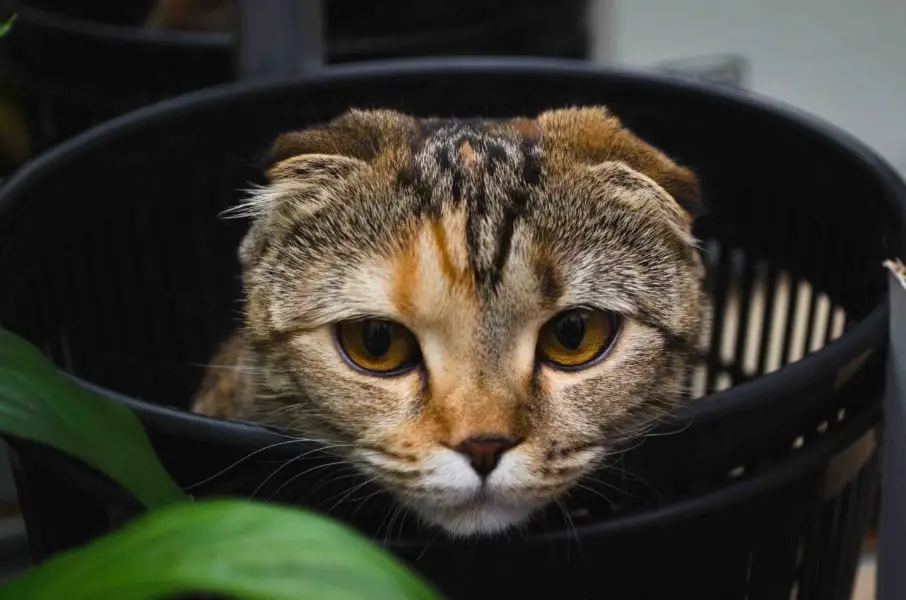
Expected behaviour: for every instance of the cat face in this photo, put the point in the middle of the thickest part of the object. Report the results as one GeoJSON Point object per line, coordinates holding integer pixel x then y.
{"type": "Point", "coordinates": [479, 312]}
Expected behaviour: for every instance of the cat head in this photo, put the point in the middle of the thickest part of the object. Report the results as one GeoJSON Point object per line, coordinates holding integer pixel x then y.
{"type": "Point", "coordinates": [479, 312]}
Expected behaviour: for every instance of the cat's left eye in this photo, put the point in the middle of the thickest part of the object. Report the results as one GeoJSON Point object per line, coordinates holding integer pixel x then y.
{"type": "Point", "coordinates": [576, 338]}
{"type": "Point", "coordinates": [378, 346]}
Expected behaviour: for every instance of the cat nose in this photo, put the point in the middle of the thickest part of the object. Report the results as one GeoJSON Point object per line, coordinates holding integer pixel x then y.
{"type": "Point", "coordinates": [484, 451]}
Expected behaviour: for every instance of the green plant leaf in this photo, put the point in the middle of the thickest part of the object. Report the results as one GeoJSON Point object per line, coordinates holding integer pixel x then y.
{"type": "Point", "coordinates": [39, 404]}
{"type": "Point", "coordinates": [241, 549]}
{"type": "Point", "coordinates": [7, 25]}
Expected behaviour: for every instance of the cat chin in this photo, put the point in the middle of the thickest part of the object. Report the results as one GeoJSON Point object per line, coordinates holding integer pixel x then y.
{"type": "Point", "coordinates": [477, 520]}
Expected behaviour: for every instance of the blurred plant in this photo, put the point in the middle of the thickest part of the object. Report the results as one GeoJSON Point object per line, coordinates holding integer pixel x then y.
{"type": "Point", "coordinates": [238, 548]}
{"type": "Point", "coordinates": [7, 25]}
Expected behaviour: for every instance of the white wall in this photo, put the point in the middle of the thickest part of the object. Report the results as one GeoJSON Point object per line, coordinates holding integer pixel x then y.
{"type": "Point", "coordinates": [843, 60]}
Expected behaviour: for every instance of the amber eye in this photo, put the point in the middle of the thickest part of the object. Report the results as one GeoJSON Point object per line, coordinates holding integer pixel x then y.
{"type": "Point", "coordinates": [378, 346]}
{"type": "Point", "coordinates": [576, 337]}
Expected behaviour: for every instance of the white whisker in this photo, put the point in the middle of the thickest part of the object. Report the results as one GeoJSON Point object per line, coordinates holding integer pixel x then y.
{"type": "Point", "coordinates": [598, 493]}
{"type": "Point", "coordinates": [248, 456]}
{"type": "Point", "coordinates": [291, 461]}
{"type": "Point", "coordinates": [302, 474]}
{"type": "Point", "coordinates": [351, 491]}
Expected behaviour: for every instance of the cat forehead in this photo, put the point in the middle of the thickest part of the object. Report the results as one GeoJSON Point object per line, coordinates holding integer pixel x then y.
{"type": "Point", "coordinates": [458, 180]}
{"type": "Point", "coordinates": [479, 179]}
{"type": "Point", "coordinates": [509, 152]}
{"type": "Point", "coordinates": [490, 197]}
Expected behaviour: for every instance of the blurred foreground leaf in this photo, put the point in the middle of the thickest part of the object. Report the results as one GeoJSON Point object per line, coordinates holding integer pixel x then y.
{"type": "Point", "coordinates": [240, 549]}
{"type": "Point", "coordinates": [39, 404]}
{"type": "Point", "coordinates": [7, 25]}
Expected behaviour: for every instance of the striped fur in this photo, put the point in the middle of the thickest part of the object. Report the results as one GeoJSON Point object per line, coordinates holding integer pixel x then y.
{"type": "Point", "coordinates": [472, 234]}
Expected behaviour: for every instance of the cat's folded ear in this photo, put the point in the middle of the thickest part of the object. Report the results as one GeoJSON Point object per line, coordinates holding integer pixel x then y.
{"type": "Point", "coordinates": [593, 135]}
{"type": "Point", "coordinates": [306, 169]}
{"type": "Point", "coordinates": [353, 139]}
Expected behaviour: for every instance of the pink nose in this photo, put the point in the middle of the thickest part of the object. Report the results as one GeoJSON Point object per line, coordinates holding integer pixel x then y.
{"type": "Point", "coordinates": [484, 451]}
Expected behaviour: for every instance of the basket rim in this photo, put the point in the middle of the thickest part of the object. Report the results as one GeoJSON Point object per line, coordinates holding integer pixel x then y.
{"type": "Point", "coordinates": [868, 335]}
{"type": "Point", "coordinates": [796, 465]}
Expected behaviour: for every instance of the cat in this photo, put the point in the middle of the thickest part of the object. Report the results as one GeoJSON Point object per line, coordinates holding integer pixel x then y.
{"type": "Point", "coordinates": [478, 311]}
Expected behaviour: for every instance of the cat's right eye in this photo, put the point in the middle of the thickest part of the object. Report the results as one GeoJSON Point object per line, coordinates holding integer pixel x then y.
{"type": "Point", "coordinates": [378, 346]}
{"type": "Point", "coordinates": [577, 338]}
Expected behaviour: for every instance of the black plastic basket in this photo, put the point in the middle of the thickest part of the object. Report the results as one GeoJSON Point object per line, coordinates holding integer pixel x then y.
{"type": "Point", "coordinates": [115, 262]}
{"type": "Point", "coordinates": [66, 66]}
